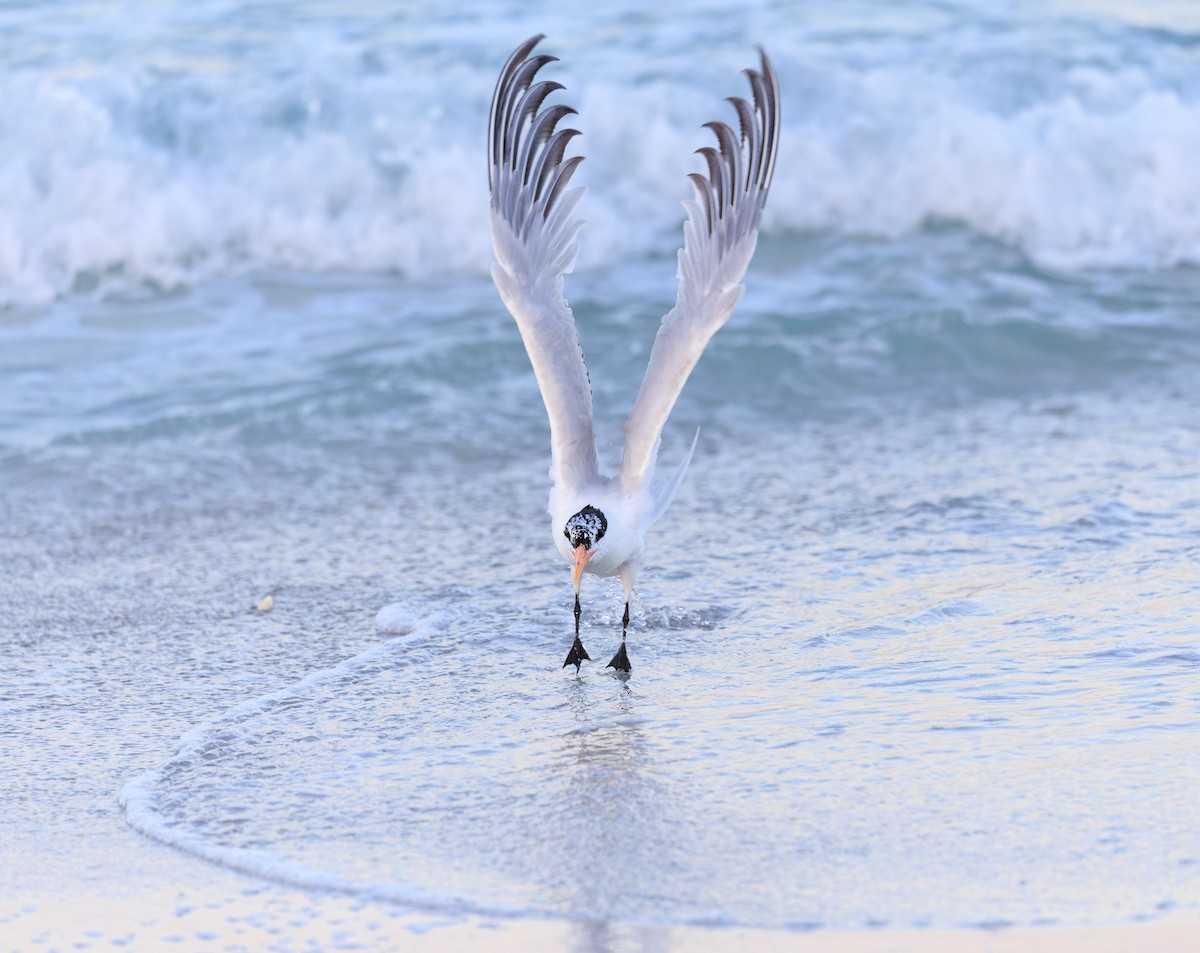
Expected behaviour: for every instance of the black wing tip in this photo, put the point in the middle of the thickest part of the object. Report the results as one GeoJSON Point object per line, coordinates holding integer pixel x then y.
{"type": "Point", "coordinates": [764, 60]}
{"type": "Point", "coordinates": [525, 146]}
{"type": "Point", "coordinates": [522, 55]}
{"type": "Point", "coordinates": [766, 68]}
{"type": "Point", "coordinates": [726, 182]}
{"type": "Point", "coordinates": [524, 49]}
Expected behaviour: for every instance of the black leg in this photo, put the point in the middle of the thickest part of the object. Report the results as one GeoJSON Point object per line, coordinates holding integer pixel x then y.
{"type": "Point", "coordinates": [578, 654]}
{"type": "Point", "coordinates": [620, 661]}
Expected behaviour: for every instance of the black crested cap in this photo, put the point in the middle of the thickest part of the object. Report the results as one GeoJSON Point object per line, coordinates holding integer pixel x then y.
{"type": "Point", "coordinates": [586, 528]}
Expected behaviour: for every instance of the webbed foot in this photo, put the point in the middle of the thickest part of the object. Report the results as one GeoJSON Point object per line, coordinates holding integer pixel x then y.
{"type": "Point", "coordinates": [577, 655]}
{"type": "Point", "coordinates": [620, 661]}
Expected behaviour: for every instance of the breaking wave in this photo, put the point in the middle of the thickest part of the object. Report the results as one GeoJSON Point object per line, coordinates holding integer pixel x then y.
{"type": "Point", "coordinates": [364, 154]}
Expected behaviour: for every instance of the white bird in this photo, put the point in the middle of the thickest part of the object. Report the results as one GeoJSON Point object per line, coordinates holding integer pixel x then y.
{"type": "Point", "coordinates": [599, 523]}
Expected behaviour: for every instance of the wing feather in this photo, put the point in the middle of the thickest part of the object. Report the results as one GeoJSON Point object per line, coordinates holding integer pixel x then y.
{"type": "Point", "coordinates": [720, 235]}
{"type": "Point", "coordinates": [533, 234]}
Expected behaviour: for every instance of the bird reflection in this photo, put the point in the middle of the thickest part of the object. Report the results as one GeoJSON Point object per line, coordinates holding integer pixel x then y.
{"type": "Point", "coordinates": [604, 936]}
{"type": "Point", "coordinates": [618, 838]}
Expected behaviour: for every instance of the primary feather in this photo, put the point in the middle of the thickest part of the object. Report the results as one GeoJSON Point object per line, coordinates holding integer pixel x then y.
{"type": "Point", "coordinates": [719, 240]}
{"type": "Point", "coordinates": [533, 233]}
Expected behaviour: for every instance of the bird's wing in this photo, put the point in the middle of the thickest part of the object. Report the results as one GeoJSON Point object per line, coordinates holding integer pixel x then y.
{"type": "Point", "coordinates": [719, 239]}
{"type": "Point", "coordinates": [533, 233]}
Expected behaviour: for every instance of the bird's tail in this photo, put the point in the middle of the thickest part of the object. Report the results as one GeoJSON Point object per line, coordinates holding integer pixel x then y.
{"type": "Point", "coordinates": [663, 491]}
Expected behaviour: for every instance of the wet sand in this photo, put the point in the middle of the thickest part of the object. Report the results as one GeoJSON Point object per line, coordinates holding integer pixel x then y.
{"type": "Point", "coordinates": [229, 913]}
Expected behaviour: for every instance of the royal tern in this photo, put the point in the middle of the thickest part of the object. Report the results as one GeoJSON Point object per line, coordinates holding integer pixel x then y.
{"type": "Point", "coordinates": [599, 523]}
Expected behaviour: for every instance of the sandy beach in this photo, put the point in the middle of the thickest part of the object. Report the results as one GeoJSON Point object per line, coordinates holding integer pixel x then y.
{"type": "Point", "coordinates": [264, 918]}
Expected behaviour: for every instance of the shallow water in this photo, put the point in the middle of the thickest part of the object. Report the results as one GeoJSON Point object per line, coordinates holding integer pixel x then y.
{"type": "Point", "coordinates": [915, 646]}
{"type": "Point", "coordinates": [933, 709]}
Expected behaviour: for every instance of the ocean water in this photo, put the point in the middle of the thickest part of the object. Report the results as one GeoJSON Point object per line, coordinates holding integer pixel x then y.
{"type": "Point", "coordinates": [916, 646]}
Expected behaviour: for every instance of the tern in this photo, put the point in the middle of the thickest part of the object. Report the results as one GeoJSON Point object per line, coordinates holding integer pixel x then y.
{"type": "Point", "coordinates": [599, 523]}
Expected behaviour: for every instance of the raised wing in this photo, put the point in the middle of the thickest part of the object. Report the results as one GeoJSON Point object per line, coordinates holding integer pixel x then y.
{"type": "Point", "coordinates": [719, 239]}
{"type": "Point", "coordinates": [533, 233]}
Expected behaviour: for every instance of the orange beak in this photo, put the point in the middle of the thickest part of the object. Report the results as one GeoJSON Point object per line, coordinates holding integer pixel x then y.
{"type": "Point", "coordinates": [581, 559]}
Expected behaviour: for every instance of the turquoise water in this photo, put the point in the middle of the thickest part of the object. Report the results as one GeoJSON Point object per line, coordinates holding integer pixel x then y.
{"type": "Point", "coordinates": [915, 646]}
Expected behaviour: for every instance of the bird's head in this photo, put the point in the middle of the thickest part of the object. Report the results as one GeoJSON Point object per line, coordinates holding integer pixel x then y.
{"type": "Point", "coordinates": [584, 531]}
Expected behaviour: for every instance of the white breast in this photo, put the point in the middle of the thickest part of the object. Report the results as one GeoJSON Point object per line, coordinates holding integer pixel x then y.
{"type": "Point", "coordinates": [627, 520]}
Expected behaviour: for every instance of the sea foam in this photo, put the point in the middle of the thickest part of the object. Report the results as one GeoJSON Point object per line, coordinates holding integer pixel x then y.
{"type": "Point", "coordinates": [121, 177]}
{"type": "Point", "coordinates": [142, 797]}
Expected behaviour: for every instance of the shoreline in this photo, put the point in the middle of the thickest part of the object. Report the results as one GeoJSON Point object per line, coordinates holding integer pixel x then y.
{"type": "Point", "coordinates": [236, 915]}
